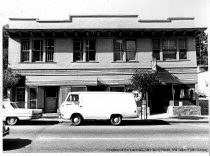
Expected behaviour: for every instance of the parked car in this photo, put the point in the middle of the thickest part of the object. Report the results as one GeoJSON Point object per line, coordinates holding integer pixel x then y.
{"type": "Point", "coordinates": [5, 130]}
{"type": "Point", "coordinates": [12, 113]}
{"type": "Point", "coordinates": [111, 106]}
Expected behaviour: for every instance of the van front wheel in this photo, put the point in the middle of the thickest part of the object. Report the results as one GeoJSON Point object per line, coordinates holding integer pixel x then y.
{"type": "Point", "coordinates": [116, 120]}
{"type": "Point", "coordinates": [76, 120]}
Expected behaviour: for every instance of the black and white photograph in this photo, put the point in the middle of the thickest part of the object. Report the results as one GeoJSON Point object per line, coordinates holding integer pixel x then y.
{"type": "Point", "coordinates": [104, 77]}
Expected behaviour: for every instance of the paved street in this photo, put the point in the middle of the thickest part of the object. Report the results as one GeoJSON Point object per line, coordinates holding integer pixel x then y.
{"type": "Point", "coordinates": [100, 136]}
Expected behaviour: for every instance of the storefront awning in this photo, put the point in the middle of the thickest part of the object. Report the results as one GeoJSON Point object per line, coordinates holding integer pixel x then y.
{"type": "Point", "coordinates": [77, 80]}
{"type": "Point", "coordinates": [166, 78]}
{"type": "Point", "coordinates": [60, 80]}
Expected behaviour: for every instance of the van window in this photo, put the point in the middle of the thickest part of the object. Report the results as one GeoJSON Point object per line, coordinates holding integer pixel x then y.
{"type": "Point", "coordinates": [73, 98]}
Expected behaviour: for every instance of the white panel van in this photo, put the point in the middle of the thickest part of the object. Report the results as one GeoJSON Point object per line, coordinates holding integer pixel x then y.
{"type": "Point", "coordinates": [113, 106]}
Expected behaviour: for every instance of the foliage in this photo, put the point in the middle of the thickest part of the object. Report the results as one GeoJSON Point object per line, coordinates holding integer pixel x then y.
{"type": "Point", "coordinates": [144, 81]}
{"type": "Point", "coordinates": [10, 78]}
{"type": "Point", "coordinates": [202, 49]}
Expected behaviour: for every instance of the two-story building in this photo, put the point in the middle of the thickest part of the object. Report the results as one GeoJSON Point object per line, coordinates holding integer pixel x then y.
{"type": "Point", "coordinates": [101, 53]}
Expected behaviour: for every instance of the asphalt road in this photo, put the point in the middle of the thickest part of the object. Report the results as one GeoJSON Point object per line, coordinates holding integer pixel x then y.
{"type": "Point", "coordinates": [98, 136]}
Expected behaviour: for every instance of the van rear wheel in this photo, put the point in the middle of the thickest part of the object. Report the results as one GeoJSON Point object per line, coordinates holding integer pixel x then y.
{"type": "Point", "coordinates": [116, 120]}
{"type": "Point", "coordinates": [76, 120]}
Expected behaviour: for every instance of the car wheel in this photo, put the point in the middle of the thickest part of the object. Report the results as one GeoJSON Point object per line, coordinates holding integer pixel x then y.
{"type": "Point", "coordinates": [76, 120]}
{"type": "Point", "coordinates": [11, 121]}
{"type": "Point", "coordinates": [116, 120]}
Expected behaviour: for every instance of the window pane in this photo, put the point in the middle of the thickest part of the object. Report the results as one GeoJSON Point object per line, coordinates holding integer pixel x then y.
{"type": "Point", "coordinates": [130, 55]}
{"type": "Point", "coordinates": [78, 45]}
{"type": "Point", "coordinates": [78, 50]}
{"type": "Point", "coordinates": [172, 44]}
{"type": "Point", "coordinates": [91, 56]}
{"type": "Point", "coordinates": [167, 55]}
{"type": "Point", "coordinates": [49, 47]}
{"type": "Point", "coordinates": [20, 94]}
{"type": "Point", "coordinates": [33, 97]}
{"type": "Point", "coordinates": [156, 44]}
{"type": "Point", "coordinates": [169, 44]}
{"type": "Point", "coordinates": [37, 50]}
{"type": "Point", "coordinates": [182, 44]}
{"type": "Point", "coordinates": [25, 46]}
{"type": "Point", "coordinates": [118, 56]}
{"type": "Point", "coordinates": [118, 45]}
{"type": "Point", "coordinates": [38, 44]}
{"type": "Point", "coordinates": [182, 54]}
{"type": "Point", "coordinates": [156, 54]}
{"type": "Point", "coordinates": [78, 56]}
{"type": "Point", "coordinates": [130, 46]}
{"type": "Point", "coordinates": [90, 50]}
{"type": "Point", "coordinates": [118, 50]}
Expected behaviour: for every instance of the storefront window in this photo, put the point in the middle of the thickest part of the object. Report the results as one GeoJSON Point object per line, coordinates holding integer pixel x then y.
{"type": "Point", "coordinates": [184, 92]}
{"type": "Point", "coordinates": [117, 89]}
{"type": "Point", "coordinates": [33, 97]}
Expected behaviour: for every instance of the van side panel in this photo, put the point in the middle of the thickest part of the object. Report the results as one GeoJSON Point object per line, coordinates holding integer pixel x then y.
{"type": "Point", "coordinates": [103, 105]}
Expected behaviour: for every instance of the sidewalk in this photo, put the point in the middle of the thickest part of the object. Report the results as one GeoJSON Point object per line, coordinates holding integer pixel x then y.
{"type": "Point", "coordinates": [163, 116]}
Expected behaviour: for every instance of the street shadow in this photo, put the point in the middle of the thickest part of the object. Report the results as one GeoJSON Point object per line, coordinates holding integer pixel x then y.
{"type": "Point", "coordinates": [148, 122]}
{"type": "Point", "coordinates": [15, 143]}
{"type": "Point", "coordinates": [36, 122]}
{"type": "Point", "coordinates": [145, 122]}
{"type": "Point", "coordinates": [189, 117]}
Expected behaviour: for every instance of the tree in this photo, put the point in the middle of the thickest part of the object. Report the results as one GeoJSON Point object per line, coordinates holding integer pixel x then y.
{"type": "Point", "coordinates": [144, 81]}
{"type": "Point", "coordinates": [10, 78]}
{"type": "Point", "coordinates": [202, 49]}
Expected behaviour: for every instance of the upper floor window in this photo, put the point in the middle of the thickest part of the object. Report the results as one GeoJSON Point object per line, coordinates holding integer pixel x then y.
{"type": "Point", "coordinates": [169, 49]}
{"type": "Point", "coordinates": [49, 48]}
{"type": "Point", "coordinates": [124, 50]}
{"type": "Point", "coordinates": [182, 49]}
{"type": "Point", "coordinates": [25, 48]}
{"type": "Point", "coordinates": [20, 94]}
{"type": "Point", "coordinates": [90, 50]}
{"type": "Point", "coordinates": [37, 50]}
{"type": "Point", "coordinates": [156, 49]}
{"type": "Point", "coordinates": [78, 50]}
{"type": "Point", "coordinates": [84, 50]}
{"type": "Point", "coordinates": [37, 53]}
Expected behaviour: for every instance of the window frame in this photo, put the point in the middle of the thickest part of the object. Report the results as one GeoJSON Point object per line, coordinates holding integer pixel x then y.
{"type": "Point", "coordinates": [36, 99]}
{"type": "Point", "coordinates": [25, 51]}
{"type": "Point", "coordinates": [180, 49]}
{"type": "Point", "coordinates": [169, 50]}
{"type": "Point", "coordinates": [84, 52]}
{"type": "Point", "coordinates": [123, 50]}
{"type": "Point", "coordinates": [88, 50]}
{"type": "Point", "coordinates": [80, 51]}
{"type": "Point", "coordinates": [176, 49]}
{"type": "Point", "coordinates": [154, 50]}
{"type": "Point", "coordinates": [16, 97]}
{"type": "Point", "coordinates": [47, 51]}
{"type": "Point", "coordinates": [39, 51]}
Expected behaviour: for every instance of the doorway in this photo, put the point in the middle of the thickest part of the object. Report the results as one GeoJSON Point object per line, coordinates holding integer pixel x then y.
{"type": "Point", "coordinates": [51, 100]}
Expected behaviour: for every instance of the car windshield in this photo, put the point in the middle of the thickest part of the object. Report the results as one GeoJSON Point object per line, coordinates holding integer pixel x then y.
{"type": "Point", "coordinates": [14, 105]}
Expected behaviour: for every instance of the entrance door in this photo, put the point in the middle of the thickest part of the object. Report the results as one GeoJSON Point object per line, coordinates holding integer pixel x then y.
{"type": "Point", "coordinates": [51, 100]}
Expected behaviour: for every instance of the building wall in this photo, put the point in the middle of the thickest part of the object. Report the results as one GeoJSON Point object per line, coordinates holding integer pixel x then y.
{"type": "Point", "coordinates": [63, 57]}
